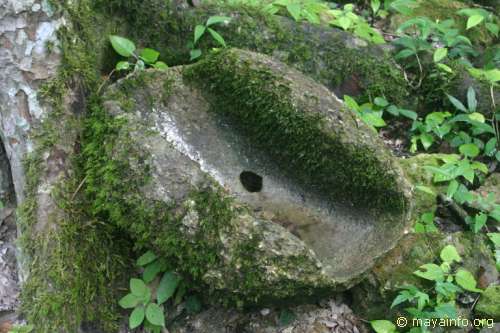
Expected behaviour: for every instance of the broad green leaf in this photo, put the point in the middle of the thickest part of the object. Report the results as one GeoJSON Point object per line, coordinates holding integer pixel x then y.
{"type": "Point", "coordinates": [217, 19]}
{"type": "Point", "coordinates": [168, 284]}
{"type": "Point", "coordinates": [129, 301]}
{"type": "Point", "coordinates": [408, 114]}
{"type": "Point", "coordinates": [469, 150]}
{"type": "Point", "coordinates": [471, 99]}
{"type": "Point", "coordinates": [427, 140]}
{"type": "Point", "coordinates": [474, 20]}
{"type": "Point", "coordinates": [404, 54]}
{"type": "Point", "coordinates": [445, 68]}
{"type": "Point", "coordinates": [476, 116]}
{"type": "Point", "coordinates": [195, 54]}
{"type": "Point", "coordinates": [351, 103]}
{"type": "Point", "coordinates": [452, 189]}
{"type": "Point", "coordinates": [199, 30]}
{"type": "Point", "coordinates": [445, 310]}
{"type": "Point", "coordinates": [154, 314]}
{"type": "Point", "coordinates": [294, 9]}
{"type": "Point", "coordinates": [375, 4]}
{"type": "Point", "coordinates": [373, 119]}
{"type": "Point", "coordinates": [217, 37]}
{"type": "Point", "coordinates": [466, 280]}
{"type": "Point", "coordinates": [146, 258]}
{"type": "Point", "coordinates": [122, 65]}
{"type": "Point", "coordinates": [160, 65]}
{"type": "Point", "coordinates": [495, 238]}
{"type": "Point", "coordinates": [138, 287]}
{"type": "Point", "coordinates": [440, 54]}
{"type": "Point", "coordinates": [457, 103]}
{"type": "Point", "coordinates": [492, 75]}
{"type": "Point", "coordinates": [152, 270]}
{"type": "Point", "coordinates": [343, 22]}
{"type": "Point", "coordinates": [479, 222]}
{"type": "Point", "coordinates": [136, 317]}
{"type": "Point", "coordinates": [149, 55]}
{"type": "Point", "coordinates": [383, 326]}
{"type": "Point", "coordinates": [380, 101]}
{"type": "Point", "coordinates": [122, 46]}
{"type": "Point", "coordinates": [490, 147]}
{"type": "Point", "coordinates": [449, 254]}
{"type": "Point", "coordinates": [430, 272]}
{"type": "Point", "coordinates": [493, 28]}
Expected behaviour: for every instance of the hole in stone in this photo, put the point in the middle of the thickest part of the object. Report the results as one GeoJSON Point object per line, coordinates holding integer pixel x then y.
{"type": "Point", "coordinates": [251, 181]}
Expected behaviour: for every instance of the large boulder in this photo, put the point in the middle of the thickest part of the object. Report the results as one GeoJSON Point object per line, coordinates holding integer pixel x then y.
{"type": "Point", "coordinates": [337, 59]}
{"type": "Point", "coordinates": [255, 180]}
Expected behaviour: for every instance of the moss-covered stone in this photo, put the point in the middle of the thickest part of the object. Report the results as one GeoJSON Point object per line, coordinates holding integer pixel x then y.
{"type": "Point", "coordinates": [489, 303]}
{"type": "Point", "coordinates": [335, 58]}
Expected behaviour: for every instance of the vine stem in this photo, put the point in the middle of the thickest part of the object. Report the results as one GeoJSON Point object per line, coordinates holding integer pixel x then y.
{"type": "Point", "coordinates": [105, 80]}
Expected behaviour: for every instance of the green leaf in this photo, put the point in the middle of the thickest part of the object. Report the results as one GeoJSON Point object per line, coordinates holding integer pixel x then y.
{"type": "Point", "coordinates": [452, 189]}
{"type": "Point", "coordinates": [440, 54]}
{"type": "Point", "coordinates": [495, 238]}
{"type": "Point", "coordinates": [493, 28]}
{"type": "Point", "coordinates": [466, 280]}
{"type": "Point", "coordinates": [294, 9]}
{"type": "Point", "coordinates": [479, 222]}
{"type": "Point", "coordinates": [492, 75]}
{"type": "Point", "coordinates": [122, 46]}
{"type": "Point", "coordinates": [136, 317]}
{"type": "Point", "coordinates": [383, 326]}
{"type": "Point", "coordinates": [449, 254]}
{"type": "Point", "coordinates": [154, 314]}
{"type": "Point", "coordinates": [160, 65]}
{"type": "Point", "coordinates": [199, 30]}
{"type": "Point", "coordinates": [129, 301]}
{"type": "Point", "coordinates": [445, 310]}
{"type": "Point", "coordinates": [445, 68]}
{"type": "Point", "coordinates": [149, 55]}
{"type": "Point", "coordinates": [138, 288]}
{"type": "Point", "coordinates": [476, 116]}
{"type": "Point", "coordinates": [343, 22]}
{"type": "Point", "coordinates": [217, 37]}
{"type": "Point", "coordinates": [195, 54]}
{"type": "Point", "coordinates": [373, 119]}
{"type": "Point", "coordinates": [380, 101]}
{"type": "Point", "coordinates": [375, 4]}
{"type": "Point", "coordinates": [474, 20]}
{"type": "Point", "coordinates": [217, 19]}
{"type": "Point", "coordinates": [146, 258]}
{"type": "Point", "coordinates": [408, 114]}
{"type": "Point", "coordinates": [152, 270]}
{"type": "Point", "coordinates": [122, 65]}
{"type": "Point", "coordinates": [351, 103]}
{"type": "Point", "coordinates": [457, 103]}
{"type": "Point", "coordinates": [404, 54]}
{"type": "Point", "coordinates": [469, 150]}
{"type": "Point", "coordinates": [430, 272]}
{"type": "Point", "coordinates": [426, 140]}
{"type": "Point", "coordinates": [168, 284]}
{"type": "Point", "coordinates": [471, 99]}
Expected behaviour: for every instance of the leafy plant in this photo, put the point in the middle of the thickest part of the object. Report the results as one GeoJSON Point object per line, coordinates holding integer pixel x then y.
{"type": "Point", "coordinates": [147, 299]}
{"type": "Point", "coordinates": [425, 223]}
{"type": "Point", "coordinates": [449, 281]}
{"type": "Point", "coordinates": [480, 16]}
{"type": "Point", "coordinates": [201, 29]}
{"type": "Point", "coordinates": [138, 61]}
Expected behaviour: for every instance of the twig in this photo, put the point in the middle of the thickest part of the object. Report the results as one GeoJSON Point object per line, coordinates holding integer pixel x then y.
{"type": "Point", "coordinates": [78, 188]}
{"type": "Point", "coordinates": [105, 80]}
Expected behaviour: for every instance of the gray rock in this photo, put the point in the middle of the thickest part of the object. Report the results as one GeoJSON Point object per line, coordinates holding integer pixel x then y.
{"type": "Point", "coordinates": [299, 238]}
